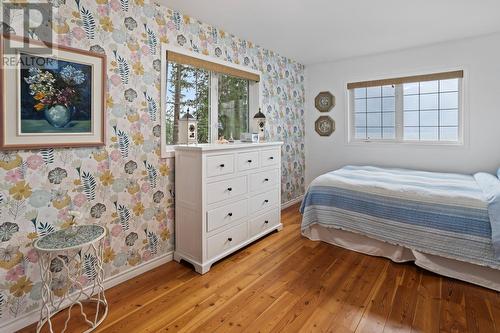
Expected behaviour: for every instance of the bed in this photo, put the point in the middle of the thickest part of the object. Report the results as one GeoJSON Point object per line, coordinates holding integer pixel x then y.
{"type": "Point", "coordinates": [446, 223]}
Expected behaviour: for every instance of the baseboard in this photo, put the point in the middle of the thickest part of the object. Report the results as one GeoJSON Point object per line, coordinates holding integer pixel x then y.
{"type": "Point", "coordinates": [292, 202]}
{"type": "Point", "coordinates": [33, 316]}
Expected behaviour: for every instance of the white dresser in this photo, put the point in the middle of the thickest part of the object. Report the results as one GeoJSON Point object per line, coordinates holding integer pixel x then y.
{"type": "Point", "coordinates": [226, 196]}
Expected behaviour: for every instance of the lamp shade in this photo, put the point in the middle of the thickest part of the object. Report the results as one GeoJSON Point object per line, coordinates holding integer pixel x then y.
{"type": "Point", "coordinates": [259, 115]}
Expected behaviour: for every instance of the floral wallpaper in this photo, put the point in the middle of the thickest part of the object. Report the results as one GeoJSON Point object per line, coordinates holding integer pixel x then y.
{"type": "Point", "coordinates": [125, 186]}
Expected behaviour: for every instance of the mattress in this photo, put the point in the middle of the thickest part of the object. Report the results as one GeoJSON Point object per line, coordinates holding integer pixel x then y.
{"type": "Point", "coordinates": [439, 214]}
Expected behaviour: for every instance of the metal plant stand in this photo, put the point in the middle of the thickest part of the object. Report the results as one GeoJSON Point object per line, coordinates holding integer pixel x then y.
{"type": "Point", "coordinates": [72, 273]}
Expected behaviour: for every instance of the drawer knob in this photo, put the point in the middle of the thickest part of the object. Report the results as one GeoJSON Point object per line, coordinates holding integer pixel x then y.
{"type": "Point", "coordinates": [249, 161]}
{"type": "Point", "coordinates": [266, 201]}
{"type": "Point", "coordinates": [266, 180]}
{"type": "Point", "coordinates": [229, 214]}
{"type": "Point", "coordinates": [271, 158]}
{"type": "Point", "coordinates": [266, 221]}
{"type": "Point", "coordinates": [222, 165]}
{"type": "Point", "coordinates": [229, 189]}
{"type": "Point", "coordinates": [230, 239]}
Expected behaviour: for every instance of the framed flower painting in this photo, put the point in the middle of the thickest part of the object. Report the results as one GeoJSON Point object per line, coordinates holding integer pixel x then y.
{"type": "Point", "coordinates": [54, 98]}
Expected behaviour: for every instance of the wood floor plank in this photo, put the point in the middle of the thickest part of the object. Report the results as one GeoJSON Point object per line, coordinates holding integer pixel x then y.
{"type": "Point", "coordinates": [349, 314]}
{"type": "Point", "coordinates": [280, 265]}
{"type": "Point", "coordinates": [242, 279]}
{"type": "Point", "coordinates": [241, 319]}
{"type": "Point", "coordinates": [404, 304]}
{"type": "Point", "coordinates": [452, 315]}
{"type": "Point", "coordinates": [265, 322]}
{"type": "Point", "coordinates": [184, 323]}
{"type": "Point", "coordinates": [428, 306]}
{"type": "Point", "coordinates": [196, 292]}
{"type": "Point", "coordinates": [251, 293]}
{"type": "Point", "coordinates": [203, 286]}
{"type": "Point", "coordinates": [478, 316]}
{"type": "Point", "coordinates": [335, 274]}
{"type": "Point", "coordinates": [132, 296]}
{"type": "Point", "coordinates": [493, 301]}
{"type": "Point", "coordinates": [287, 283]}
{"type": "Point", "coordinates": [375, 316]}
{"type": "Point", "coordinates": [297, 284]}
{"type": "Point", "coordinates": [338, 298]}
{"type": "Point", "coordinates": [316, 295]}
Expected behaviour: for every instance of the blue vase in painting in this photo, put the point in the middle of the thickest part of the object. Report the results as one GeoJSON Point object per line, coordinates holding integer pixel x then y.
{"type": "Point", "coordinates": [58, 116]}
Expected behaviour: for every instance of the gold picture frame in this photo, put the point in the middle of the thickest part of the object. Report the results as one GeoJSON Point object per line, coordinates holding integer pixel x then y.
{"type": "Point", "coordinates": [68, 86]}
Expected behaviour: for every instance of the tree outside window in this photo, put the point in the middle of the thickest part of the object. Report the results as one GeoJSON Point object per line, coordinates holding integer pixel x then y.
{"type": "Point", "coordinates": [190, 88]}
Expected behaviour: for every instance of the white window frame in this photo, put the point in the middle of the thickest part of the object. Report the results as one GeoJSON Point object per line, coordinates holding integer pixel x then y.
{"type": "Point", "coordinates": [254, 93]}
{"type": "Point", "coordinates": [399, 115]}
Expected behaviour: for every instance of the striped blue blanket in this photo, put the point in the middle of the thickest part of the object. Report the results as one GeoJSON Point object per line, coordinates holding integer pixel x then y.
{"type": "Point", "coordinates": [450, 215]}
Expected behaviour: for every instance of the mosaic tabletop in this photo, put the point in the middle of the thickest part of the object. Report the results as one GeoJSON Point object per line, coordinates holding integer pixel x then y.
{"type": "Point", "coordinates": [70, 237]}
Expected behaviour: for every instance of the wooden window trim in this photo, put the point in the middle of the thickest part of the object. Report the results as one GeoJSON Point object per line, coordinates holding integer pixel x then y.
{"type": "Point", "coordinates": [407, 79]}
{"type": "Point", "coordinates": [211, 66]}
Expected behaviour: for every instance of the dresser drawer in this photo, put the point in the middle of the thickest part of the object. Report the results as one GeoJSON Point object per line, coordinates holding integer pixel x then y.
{"type": "Point", "coordinates": [264, 201]}
{"type": "Point", "coordinates": [248, 161]}
{"type": "Point", "coordinates": [220, 165]}
{"type": "Point", "coordinates": [264, 222]}
{"type": "Point", "coordinates": [264, 179]}
{"type": "Point", "coordinates": [270, 157]}
{"type": "Point", "coordinates": [226, 189]}
{"type": "Point", "coordinates": [225, 215]}
{"type": "Point", "coordinates": [227, 239]}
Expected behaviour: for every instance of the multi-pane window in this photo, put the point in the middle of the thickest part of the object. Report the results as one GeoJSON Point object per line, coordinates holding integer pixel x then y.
{"type": "Point", "coordinates": [375, 112]}
{"type": "Point", "coordinates": [424, 108]}
{"type": "Point", "coordinates": [431, 110]}
{"type": "Point", "coordinates": [218, 101]}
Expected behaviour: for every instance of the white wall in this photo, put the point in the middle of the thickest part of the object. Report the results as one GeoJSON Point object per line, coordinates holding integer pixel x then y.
{"type": "Point", "coordinates": [479, 57]}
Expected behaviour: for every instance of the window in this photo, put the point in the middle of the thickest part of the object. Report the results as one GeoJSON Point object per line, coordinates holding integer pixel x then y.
{"type": "Point", "coordinates": [233, 106]}
{"type": "Point", "coordinates": [431, 110]}
{"type": "Point", "coordinates": [220, 97]}
{"type": "Point", "coordinates": [423, 108]}
{"type": "Point", "coordinates": [375, 112]}
{"type": "Point", "coordinates": [188, 90]}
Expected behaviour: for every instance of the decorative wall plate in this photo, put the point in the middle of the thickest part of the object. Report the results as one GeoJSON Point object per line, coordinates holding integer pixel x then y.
{"type": "Point", "coordinates": [324, 102]}
{"type": "Point", "coordinates": [324, 126]}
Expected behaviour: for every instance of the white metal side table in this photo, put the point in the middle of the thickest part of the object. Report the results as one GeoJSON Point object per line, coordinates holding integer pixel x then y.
{"type": "Point", "coordinates": [72, 273]}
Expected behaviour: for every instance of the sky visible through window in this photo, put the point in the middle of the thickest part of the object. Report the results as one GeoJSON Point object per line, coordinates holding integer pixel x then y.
{"type": "Point", "coordinates": [429, 111]}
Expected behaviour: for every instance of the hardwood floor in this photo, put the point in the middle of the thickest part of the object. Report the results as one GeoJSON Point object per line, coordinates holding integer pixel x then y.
{"type": "Point", "coordinates": [287, 283]}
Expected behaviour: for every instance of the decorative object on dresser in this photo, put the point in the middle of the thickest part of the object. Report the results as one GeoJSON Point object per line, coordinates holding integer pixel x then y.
{"type": "Point", "coordinates": [324, 126]}
{"type": "Point", "coordinates": [260, 123]}
{"type": "Point", "coordinates": [227, 196]}
{"type": "Point", "coordinates": [67, 258]}
{"type": "Point", "coordinates": [324, 101]}
{"type": "Point", "coordinates": [188, 129]}
{"type": "Point", "coordinates": [51, 98]}
{"type": "Point", "coordinates": [249, 137]}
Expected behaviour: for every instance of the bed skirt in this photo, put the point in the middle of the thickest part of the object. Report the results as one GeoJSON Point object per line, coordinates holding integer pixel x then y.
{"type": "Point", "coordinates": [480, 275]}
